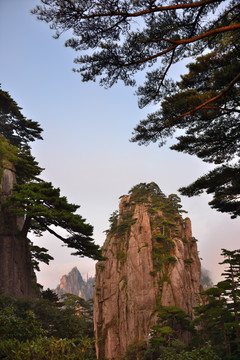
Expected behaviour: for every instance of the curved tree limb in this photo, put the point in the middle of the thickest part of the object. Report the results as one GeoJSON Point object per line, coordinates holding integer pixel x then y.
{"type": "Point", "coordinates": [185, 41]}
{"type": "Point", "coordinates": [50, 230]}
{"type": "Point", "coordinates": [152, 10]}
{"type": "Point", "coordinates": [203, 105]}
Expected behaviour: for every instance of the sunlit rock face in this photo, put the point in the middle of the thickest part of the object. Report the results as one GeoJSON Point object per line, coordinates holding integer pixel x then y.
{"type": "Point", "coordinates": [152, 259]}
{"type": "Point", "coordinates": [73, 283]}
{"type": "Point", "coordinates": [16, 272]}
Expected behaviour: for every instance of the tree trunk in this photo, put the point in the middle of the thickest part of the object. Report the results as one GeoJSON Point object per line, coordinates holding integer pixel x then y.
{"type": "Point", "coordinates": [16, 272]}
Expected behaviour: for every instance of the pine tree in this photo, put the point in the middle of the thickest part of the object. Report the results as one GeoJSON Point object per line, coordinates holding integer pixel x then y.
{"type": "Point", "coordinates": [126, 37]}
{"type": "Point", "coordinates": [32, 205]}
{"type": "Point", "coordinates": [218, 317]}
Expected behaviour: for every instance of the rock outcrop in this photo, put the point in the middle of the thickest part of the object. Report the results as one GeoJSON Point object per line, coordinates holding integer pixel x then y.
{"type": "Point", "coordinates": [16, 272]}
{"type": "Point", "coordinates": [73, 283]}
{"type": "Point", "coordinates": [152, 261]}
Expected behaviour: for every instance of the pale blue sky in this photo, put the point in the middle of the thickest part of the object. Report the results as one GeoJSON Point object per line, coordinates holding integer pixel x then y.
{"type": "Point", "coordinates": [86, 149]}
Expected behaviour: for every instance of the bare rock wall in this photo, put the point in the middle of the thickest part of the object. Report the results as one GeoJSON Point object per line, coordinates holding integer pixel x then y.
{"type": "Point", "coordinates": [16, 273]}
{"type": "Point", "coordinates": [134, 278]}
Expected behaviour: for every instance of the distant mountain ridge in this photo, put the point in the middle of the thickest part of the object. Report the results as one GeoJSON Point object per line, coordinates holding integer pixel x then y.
{"type": "Point", "coordinates": [73, 283]}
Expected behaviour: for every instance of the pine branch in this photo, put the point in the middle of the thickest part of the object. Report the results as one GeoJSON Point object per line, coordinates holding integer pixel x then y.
{"type": "Point", "coordinates": [176, 43]}
{"type": "Point", "coordinates": [224, 91]}
{"type": "Point", "coordinates": [150, 11]}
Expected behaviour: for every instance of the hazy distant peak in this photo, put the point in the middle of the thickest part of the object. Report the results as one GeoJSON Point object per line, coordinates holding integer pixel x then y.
{"type": "Point", "coordinates": [73, 283]}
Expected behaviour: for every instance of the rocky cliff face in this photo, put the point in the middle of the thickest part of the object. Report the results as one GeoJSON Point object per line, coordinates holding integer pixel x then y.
{"type": "Point", "coordinates": [152, 260]}
{"type": "Point", "coordinates": [73, 283]}
{"type": "Point", "coordinates": [16, 273]}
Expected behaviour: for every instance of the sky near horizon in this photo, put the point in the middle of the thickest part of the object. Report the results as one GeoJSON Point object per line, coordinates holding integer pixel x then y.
{"type": "Point", "coordinates": [86, 149]}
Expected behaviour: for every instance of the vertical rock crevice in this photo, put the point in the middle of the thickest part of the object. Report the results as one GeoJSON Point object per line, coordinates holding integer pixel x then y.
{"type": "Point", "coordinates": [151, 260]}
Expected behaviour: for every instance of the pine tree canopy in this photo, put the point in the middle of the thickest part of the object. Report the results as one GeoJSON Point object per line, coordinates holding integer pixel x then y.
{"type": "Point", "coordinates": [14, 126]}
{"type": "Point", "coordinates": [15, 134]}
{"type": "Point", "coordinates": [119, 39]}
{"type": "Point", "coordinates": [45, 210]}
{"type": "Point", "coordinates": [218, 315]}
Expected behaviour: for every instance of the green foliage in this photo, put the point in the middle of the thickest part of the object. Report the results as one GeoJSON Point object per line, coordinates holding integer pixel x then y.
{"type": "Point", "coordinates": [218, 317]}
{"type": "Point", "coordinates": [113, 220]}
{"type": "Point", "coordinates": [8, 153]}
{"type": "Point", "coordinates": [152, 211]}
{"type": "Point", "coordinates": [161, 252]}
{"type": "Point", "coordinates": [50, 296]}
{"type": "Point", "coordinates": [151, 195]}
{"type": "Point", "coordinates": [69, 318]}
{"type": "Point", "coordinates": [231, 285]}
{"type": "Point", "coordinates": [48, 349]}
{"type": "Point", "coordinates": [15, 134]}
{"type": "Point", "coordinates": [39, 254]}
{"type": "Point", "coordinates": [171, 324]}
{"type": "Point", "coordinates": [161, 335]}
{"type": "Point", "coordinates": [164, 338]}
{"type": "Point", "coordinates": [125, 224]}
{"type": "Point", "coordinates": [42, 206]}
{"type": "Point", "coordinates": [121, 225]}
{"type": "Point", "coordinates": [101, 266]}
{"type": "Point", "coordinates": [204, 105]}
{"type": "Point", "coordinates": [164, 227]}
{"type": "Point", "coordinates": [204, 353]}
{"type": "Point", "coordinates": [175, 202]}
{"type": "Point", "coordinates": [122, 257]}
{"type": "Point", "coordinates": [142, 193]}
{"type": "Point", "coordinates": [188, 261]}
{"type": "Point", "coordinates": [171, 259]}
{"type": "Point", "coordinates": [20, 326]}
{"type": "Point", "coordinates": [223, 183]}
{"type": "Point", "coordinates": [24, 163]}
{"type": "Point", "coordinates": [213, 133]}
{"type": "Point", "coordinates": [135, 350]}
{"type": "Point", "coordinates": [46, 328]}
{"type": "Point", "coordinates": [123, 282]}
{"type": "Point", "coordinates": [14, 126]}
{"type": "Point", "coordinates": [27, 168]}
{"type": "Point", "coordinates": [164, 35]}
